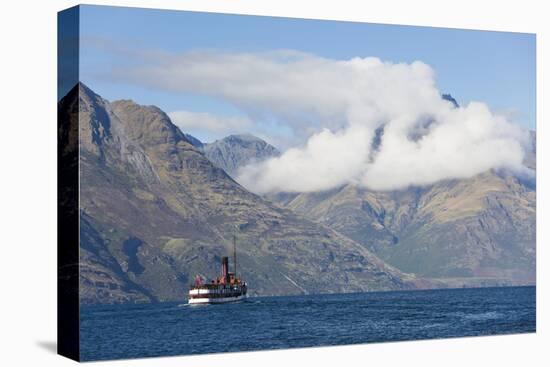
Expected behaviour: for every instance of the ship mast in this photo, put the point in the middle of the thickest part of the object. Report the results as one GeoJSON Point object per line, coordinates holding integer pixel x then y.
{"type": "Point", "coordinates": [235, 254]}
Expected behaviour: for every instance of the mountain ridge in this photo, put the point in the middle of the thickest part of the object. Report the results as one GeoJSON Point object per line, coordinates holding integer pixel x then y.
{"type": "Point", "coordinates": [155, 212]}
{"type": "Point", "coordinates": [478, 227]}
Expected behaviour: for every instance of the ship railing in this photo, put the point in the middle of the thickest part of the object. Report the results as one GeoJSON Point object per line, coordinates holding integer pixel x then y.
{"type": "Point", "coordinates": [214, 286]}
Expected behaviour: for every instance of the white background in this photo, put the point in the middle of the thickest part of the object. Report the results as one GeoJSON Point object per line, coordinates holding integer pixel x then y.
{"type": "Point", "coordinates": [28, 183]}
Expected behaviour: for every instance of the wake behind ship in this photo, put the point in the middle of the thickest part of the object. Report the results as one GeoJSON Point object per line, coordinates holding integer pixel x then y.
{"type": "Point", "coordinates": [225, 288]}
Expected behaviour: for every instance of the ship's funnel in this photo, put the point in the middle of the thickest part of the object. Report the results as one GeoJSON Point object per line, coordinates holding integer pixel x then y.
{"type": "Point", "coordinates": [225, 268]}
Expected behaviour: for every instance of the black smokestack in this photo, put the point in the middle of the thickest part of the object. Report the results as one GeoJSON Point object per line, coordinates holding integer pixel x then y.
{"type": "Point", "coordinates": [225, 268]}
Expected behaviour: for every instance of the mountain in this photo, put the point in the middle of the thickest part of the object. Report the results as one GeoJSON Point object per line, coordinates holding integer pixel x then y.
{"type": "Point", "coordinates": [470, 232]}
{"type": "Point", "coordinates": [451, 99]}
{"type": "Point", "coordinates": [476, 231]}
{"type": "Point", "coordinates": [235, 151]}
{"type": "Point", "coordinates": [154, 211]}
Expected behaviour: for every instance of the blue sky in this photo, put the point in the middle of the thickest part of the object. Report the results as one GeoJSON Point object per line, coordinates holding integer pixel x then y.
{"type": "Point", "coordinates": [497, 68]}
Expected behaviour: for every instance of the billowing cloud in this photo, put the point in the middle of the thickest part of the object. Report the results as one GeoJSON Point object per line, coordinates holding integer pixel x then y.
{"type": "Point", "coordinates": [328, 160]}
{"type": "Point", "coordinates": [378, 124]}
{"type": "Point", "coordinates": [460, 143]}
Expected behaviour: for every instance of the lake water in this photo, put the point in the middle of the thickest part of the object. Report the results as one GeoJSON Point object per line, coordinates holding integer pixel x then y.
{"type": "Point", "coordinates": [132, 331]}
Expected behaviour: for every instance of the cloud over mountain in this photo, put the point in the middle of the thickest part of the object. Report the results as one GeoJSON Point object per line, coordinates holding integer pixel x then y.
{"type": "Point", "coordinates": [379, 124]}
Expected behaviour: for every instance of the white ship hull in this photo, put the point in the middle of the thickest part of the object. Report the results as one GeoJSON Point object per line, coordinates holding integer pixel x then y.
{"type": "Point", "coordinates": [205, 300]}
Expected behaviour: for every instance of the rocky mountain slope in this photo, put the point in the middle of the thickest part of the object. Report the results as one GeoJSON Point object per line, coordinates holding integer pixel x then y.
{"type": "Point", "coordinates": [155, 211]}
{"type": "Point", "coordinates": [235, 151]}
{"type": "Point", "coordinates": [477, 231]}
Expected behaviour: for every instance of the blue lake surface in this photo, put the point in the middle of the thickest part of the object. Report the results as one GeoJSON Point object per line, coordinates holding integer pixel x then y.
{"type": "Point", "coordinates": [133, 331]}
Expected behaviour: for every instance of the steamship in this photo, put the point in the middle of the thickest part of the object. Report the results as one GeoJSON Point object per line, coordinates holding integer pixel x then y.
{"type": "Point", "coordinates": [225, 288]}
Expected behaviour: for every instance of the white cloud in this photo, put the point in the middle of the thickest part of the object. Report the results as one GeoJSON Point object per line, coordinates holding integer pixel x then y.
{"type": "Point", "coordinates": [328, 160]}
{"type": "Point", "coordinates": [187, 120]}
{"type": "Point", "coordinates": [334, 108]}
{"type": "Point", "coordinates": [462, 143]}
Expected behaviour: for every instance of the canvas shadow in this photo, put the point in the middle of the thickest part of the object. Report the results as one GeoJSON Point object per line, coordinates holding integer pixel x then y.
{"type": "Point", "coordinates": [49, 345]}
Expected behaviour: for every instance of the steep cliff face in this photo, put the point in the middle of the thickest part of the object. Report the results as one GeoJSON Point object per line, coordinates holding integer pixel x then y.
{"type": "Point", "coordinates": [155, 211]}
